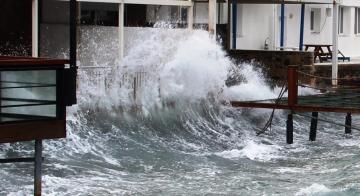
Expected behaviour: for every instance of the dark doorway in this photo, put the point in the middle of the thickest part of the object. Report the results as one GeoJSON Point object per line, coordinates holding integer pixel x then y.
{"type": "Point", "coordinates": [15, 31]}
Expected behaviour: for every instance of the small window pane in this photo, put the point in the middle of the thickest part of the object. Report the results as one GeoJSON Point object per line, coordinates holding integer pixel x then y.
{"type": "Point", "coordinates": [27, 95]}
{"type": "Point", "coordinates": [312, 20]}
{"type": "Point", "coordinates": [54, 29]}
{"type": "Point", "coordinates": [315, 20]}
{"type": "Point", "coordinates": [355, 24]}
{"type": "Point", "coordinates": [341, 20]}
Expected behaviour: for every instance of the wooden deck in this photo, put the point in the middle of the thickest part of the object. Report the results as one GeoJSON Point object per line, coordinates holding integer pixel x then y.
{"type": "Point", "coordinates": [348, 102]}
{"type": "Point", "coordinates": [338, 100]}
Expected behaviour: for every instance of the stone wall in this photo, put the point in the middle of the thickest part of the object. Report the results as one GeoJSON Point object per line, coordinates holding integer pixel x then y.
{"type": "Point", "coordinates": [274, 63]}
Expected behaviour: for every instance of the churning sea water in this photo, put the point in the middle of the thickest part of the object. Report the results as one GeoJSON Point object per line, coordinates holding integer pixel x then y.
{"type": "Point", "coordinates": [181, 139]}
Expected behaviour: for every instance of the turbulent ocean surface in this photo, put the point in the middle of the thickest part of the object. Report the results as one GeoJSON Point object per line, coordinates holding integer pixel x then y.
{"type": "Point", "coordinates": [178, 137]}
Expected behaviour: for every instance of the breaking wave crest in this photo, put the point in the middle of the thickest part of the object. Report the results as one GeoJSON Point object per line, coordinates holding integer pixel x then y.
{"type": "Point", "coordinates": [158, 123]}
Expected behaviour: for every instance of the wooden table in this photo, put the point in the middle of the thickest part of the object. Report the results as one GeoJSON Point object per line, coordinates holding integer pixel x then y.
{"type": "Point", "coordinates": [319, 52]}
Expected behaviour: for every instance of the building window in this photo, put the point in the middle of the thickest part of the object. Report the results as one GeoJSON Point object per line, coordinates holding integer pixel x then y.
{"type": "Point", "coordinates": [315, 20]}
{"type": "Point", "coordinates": [357, 20]}
{"type": "Point", "coordinates": [15, 31]}
{"type": "Point", "coordinates": [101, 14]}
{"type": "Point", "coordinates": [341, 20]}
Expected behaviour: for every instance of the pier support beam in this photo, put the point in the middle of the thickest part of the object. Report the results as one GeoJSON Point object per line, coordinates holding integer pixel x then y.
{"type": "Point", "coordinates": [71, 73]}
{"type": "Point", "coordinates": [38, 163]}
{"type": "Point", "coordinates": [335, 37]}
{"type": "Point", "coordinates": [290, 129]}
{"type": "Point", "coordinates": [348, 120]}
{"type": "Point", "coordinates": [313, 126]}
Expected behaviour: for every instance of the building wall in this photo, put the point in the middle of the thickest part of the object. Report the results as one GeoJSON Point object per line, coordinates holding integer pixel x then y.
{"type": "Point", "coordinates": [255, 25]}
{"type": "Point", "coordinates": [349, 43]}
{"type": "Point", "coordinates": [292, 33]}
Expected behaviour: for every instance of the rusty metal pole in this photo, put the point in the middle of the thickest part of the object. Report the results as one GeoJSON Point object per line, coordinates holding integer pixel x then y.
{"type": "Point", "coordinates": [292, 77]}
{"type": "Point", "coordinates": [38, 162]}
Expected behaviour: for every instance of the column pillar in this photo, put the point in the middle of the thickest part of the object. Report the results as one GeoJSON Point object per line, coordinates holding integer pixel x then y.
{"type": "Point", "coordinates": [335, 38]}
{"type": "Point", "coordinates": [190, 16]}
{"type": "Point", "coordinates": [234, 23]}
{"type": "Point", "coordinates": [121, 30]}
{"type": "Point", "coordinates": [212, 17]}
{"type": "Point", "coordinates": [35, 29]}
{"type": "Point", "coordinates": [282, 26]}
{"type": "Point", "coordinates": [302, 19]}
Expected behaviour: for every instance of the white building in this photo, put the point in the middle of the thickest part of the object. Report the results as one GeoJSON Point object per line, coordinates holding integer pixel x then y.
{"type": "Point", "coordinates": [260, 23]}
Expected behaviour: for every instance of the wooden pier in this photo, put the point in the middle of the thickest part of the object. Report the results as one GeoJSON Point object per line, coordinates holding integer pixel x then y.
{"type": "Point", "coordinates": [33, 103]}
{"type": "Point", "coordinates": [338, 99]}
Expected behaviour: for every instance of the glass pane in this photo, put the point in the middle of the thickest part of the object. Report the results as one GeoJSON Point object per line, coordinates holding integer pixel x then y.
{"type": "Point", "coordinates": [312, 20]}
{"type": "Point", "coordinates": [28, 95]}
{"type": "Point", "coordinates": [101, 14]}
{"type": "Point", "coordinates": [99, 34]}
{"type": "Point", "coordinates": [15, 31]}
{"type": "Point", "coordinates": [54, 29]}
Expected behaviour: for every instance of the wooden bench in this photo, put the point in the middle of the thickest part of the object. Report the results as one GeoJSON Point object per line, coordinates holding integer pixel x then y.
{"type": "Point", "coordinates": [319, 52]}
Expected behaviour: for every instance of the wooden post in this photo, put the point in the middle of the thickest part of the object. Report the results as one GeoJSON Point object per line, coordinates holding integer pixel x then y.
{"type": "Point", "coordinates": [313, 126]}
{"type": "Point", "coordinates": [37, 172]}
{"type": "Point", "coordinates": [289, 129]}
{"type": "Point", "coordinates": [292, 78]}
{"type": "Point", "coordinates": [348, 120]}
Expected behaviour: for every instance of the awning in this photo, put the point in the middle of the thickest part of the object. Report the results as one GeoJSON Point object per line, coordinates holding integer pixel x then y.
{"type": "Point", "coordinates": [285, 1]}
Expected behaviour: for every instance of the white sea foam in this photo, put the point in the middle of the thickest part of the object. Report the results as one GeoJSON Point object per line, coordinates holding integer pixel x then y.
{"type": "Point", "coordinates": [179, 64]}
{"type": "Point", "coordinates": [18, 193]}
{"type": "Point", "coordinates": [253, 88]}
{"type": "Point", "coordinates": [290, 170]}
{"type": "Point", "coordinates": [253, 151]}
{"type": "Point", "coordinates": [313, 189]}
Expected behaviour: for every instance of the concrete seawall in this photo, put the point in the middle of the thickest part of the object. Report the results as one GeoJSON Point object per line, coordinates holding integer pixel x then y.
{"type": "Point", "coordinates": [274, 66]}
